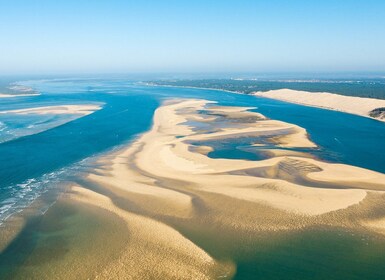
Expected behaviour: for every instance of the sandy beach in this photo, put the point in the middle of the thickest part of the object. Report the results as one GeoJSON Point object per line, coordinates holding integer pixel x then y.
{"type": "Point", "coordinates": [349, 104]}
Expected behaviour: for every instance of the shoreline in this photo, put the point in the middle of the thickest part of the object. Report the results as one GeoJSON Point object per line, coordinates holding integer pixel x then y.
{"type": "Point", "coordinates": [191, 87]}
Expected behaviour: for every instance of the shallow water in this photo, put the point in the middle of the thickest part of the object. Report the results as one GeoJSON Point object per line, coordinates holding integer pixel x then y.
{"type": "Point", "coordinates": [62, 244]}
{"type": "Point", "coordinates": [315, 254]}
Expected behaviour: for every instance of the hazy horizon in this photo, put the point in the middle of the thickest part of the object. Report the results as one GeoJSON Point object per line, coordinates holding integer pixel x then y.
{"type": "Point", "coordinates": [146, 76]}
{"type": "Point", "coordinates": [82, 37]}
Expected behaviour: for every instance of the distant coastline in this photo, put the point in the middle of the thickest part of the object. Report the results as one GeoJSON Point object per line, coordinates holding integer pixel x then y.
{"type": "Point", "coordinates": [368, 88]}
{"type": "Point", "coordinates": [366, 107]}
{"type": "Point", "coordinates": [191, 87]}
{"type": "Point", "coordinates": [375, 108]}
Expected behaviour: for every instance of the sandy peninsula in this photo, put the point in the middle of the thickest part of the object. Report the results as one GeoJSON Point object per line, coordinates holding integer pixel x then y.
{"type": "Point", "coordinates": [348, 104]}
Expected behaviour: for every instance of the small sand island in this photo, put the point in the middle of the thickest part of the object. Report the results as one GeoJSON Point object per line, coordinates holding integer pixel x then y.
{"type": "Point", "coordinates": [29, 121]}
{"type": "Point", "coordinates": [56, 110]}
{"type": "Point", "coordinates": [366, 107]}
{"type": "Point", "coordinates": [17, 90]}
{"type": "Point", "coordinates": [5, 95]}
{"type": "Point", "coordinates": [163, 200]}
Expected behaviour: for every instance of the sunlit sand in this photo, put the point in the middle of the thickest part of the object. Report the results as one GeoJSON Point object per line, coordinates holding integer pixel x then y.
{"type": "Point", "coordinates": [56, 110]}
{"type": "Point", "coordinates": [4, 95]}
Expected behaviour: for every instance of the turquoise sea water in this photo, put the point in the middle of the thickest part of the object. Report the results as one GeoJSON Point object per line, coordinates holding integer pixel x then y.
{"type": "Point", "coordinates": [31, 164]}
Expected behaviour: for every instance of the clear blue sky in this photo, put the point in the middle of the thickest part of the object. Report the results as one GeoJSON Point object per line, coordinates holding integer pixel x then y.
{"type": "Point", "coordinates": [105, 36]}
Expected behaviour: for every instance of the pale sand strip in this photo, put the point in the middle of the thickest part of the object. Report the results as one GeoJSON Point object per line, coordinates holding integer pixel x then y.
{"type": "Point", "coordinates": [56, 110]}
{"type": "Point", "coordinates": [344, 174]}
{"type": "Point", "coordinates": [4, 95]}
{"type": "Point", "coordinates": [349, 104]}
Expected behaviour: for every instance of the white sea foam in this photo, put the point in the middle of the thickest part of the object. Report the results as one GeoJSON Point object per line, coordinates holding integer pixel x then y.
{"type": "Point", "coordinates": [3, 126]}
{"type": "Point", "coordinates": [24, 194]}
{"type": "Point", "coordinates": [22, 88]}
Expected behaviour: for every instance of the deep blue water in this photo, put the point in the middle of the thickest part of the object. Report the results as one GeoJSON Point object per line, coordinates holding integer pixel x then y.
{"type": "Point", "coordinates": [30, 163]}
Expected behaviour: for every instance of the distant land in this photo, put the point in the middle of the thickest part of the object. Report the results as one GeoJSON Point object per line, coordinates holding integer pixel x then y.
{"type": "Point", "coordinates": [368, 87]}
{"type": "Point", "coordinates": [365, 97]}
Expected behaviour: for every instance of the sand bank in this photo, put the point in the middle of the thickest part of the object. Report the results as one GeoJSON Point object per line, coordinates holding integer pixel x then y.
{"type": "Point", "coordinates": [4, 95]}
{"type": "Point", "coordinates": [349, 104]}
{"type": "Point", "coordinates": [56, 110]}
{"type": "Point", "coordinates": [165, 156]}
{"type": "Point", "coordinates": [164, 167]}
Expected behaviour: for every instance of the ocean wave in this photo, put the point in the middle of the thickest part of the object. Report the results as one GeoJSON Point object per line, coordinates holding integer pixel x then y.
{"type": "Point", "coordinates": [3, 126]}
{"type": "Point", "coordinates": [22, 195]}
{"type": "Point", "coordinates": [21, 88]}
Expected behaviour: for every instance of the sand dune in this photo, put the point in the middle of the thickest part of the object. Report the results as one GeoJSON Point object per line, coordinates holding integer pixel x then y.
{"type": "Point", "coordinates": [349, 104]}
